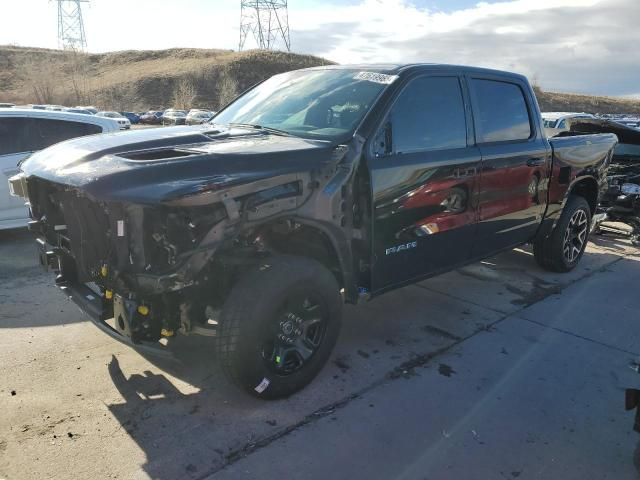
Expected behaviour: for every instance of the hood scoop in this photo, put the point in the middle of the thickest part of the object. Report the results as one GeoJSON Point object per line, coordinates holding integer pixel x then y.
{"type": "Point", "coordinates": [158, 154]}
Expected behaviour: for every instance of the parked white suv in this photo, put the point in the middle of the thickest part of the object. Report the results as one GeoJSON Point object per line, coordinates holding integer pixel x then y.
{"type": "Point", "coordinates": [557, 122]}
{"type": "Point", "coordinates": [24, 131]}
{"type": "Point", "coordinates": [123, 121]}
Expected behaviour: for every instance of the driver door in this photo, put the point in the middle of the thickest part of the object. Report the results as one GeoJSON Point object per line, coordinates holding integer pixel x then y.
{"type": "Point", "coordinates": [424, 178]}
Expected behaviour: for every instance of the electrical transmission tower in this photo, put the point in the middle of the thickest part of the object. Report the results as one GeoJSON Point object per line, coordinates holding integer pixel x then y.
{"type": "Point", "coordinates": [70, 25]}
{"type": "Point", "coordinates": [267, 21]}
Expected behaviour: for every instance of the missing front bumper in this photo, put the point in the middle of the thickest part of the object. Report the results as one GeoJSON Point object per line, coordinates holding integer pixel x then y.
{"type": "Point", "coordinates": [92, 304]}
{"type": "Point", "coordinates": [96, 307]}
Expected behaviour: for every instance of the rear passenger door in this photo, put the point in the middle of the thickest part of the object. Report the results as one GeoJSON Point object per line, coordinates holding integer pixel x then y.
{"type": "Point", "coordinates": [515, 163]}
{"type": "Point", "coordinates": [424, 171]}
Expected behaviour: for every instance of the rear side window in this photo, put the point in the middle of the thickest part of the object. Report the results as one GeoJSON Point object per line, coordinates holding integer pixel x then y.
{"type": "Point", "coordinates": [429, 115]}
{"type": "Point", "coordinates": [45, 132]}
{"type": "Point", "coordinates": [502, 111]}
{"type": "Point", "coordinates": [12, 135]}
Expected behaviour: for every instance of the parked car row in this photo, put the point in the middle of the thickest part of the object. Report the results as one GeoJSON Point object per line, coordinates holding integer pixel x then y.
{"type": "Point", "coordinates": [171, 116]}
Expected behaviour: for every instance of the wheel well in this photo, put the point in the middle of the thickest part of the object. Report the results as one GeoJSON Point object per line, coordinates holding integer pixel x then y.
{"type": "Point", "coordinates": [293, 238]}
{"type": "Point", "coordinates": [587, 188]}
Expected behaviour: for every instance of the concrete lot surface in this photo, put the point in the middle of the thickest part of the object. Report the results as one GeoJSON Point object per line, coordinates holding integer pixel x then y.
{"type": "Point", "coordinates": [497, 370]}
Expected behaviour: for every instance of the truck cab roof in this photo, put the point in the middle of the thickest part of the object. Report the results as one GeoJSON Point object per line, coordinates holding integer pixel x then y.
{"type": "Point", "coordinates": [400, 69]}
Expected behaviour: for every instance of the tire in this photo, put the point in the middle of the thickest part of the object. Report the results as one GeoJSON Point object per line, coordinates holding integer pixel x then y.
{"type": "Point", "coordinates": [563, 248]}
{"type": "Point", "coordinates": [269, 324]}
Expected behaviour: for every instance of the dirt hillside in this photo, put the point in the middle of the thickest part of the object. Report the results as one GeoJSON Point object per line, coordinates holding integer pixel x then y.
{"type": "Point", "coordinates": [184, 78]}
{"type": "Point", "coordinates": [134, 80]}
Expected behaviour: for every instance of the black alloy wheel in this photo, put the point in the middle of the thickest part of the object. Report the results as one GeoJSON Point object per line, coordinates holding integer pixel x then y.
{"type": "Point", "coordinates": [575, 236]}
{"type": "Point", "coordinates": [295, 335]}
{"type": "Point", "coordinates": [279, 325]}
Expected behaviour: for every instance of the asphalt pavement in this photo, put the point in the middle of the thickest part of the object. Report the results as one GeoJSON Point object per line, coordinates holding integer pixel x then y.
{"type": "Point", "coordinates": [497, 370]}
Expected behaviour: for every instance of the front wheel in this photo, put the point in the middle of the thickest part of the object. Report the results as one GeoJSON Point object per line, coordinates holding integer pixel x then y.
{"type": "Point", "coordinates": [279, 326]}
{"type": "Point", "coordinates": [563, 248]}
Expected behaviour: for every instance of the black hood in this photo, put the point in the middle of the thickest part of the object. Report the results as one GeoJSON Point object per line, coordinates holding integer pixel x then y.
{"type": "Point", "coordinates": [154, 165]}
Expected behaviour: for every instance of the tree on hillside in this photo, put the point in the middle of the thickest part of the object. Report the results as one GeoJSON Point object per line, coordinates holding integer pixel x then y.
{"type": "Point", "coordinates": [227, 88]}
{"type": "Point", "coordinates": [119, 98]}
{"type": "Point", "coordinates": [42, 76]}
{"type": "Point", "coordinates": [78, 64]}
{"type": "Point", "coordinates": [184, 94]}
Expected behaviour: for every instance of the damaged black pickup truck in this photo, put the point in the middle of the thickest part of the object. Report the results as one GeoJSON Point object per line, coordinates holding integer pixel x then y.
{"type": "Point", "coordinates": [314, 188]}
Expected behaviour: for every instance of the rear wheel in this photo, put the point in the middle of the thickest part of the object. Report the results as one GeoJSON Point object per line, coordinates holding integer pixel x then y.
{"type": "Point", "coordinates": [279, 326]}
{"type": "Point", "coordinates": [562, 249]}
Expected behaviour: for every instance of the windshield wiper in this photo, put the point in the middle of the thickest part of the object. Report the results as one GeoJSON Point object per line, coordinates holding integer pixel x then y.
{"type": "Point", "coordinates": [275, 131]}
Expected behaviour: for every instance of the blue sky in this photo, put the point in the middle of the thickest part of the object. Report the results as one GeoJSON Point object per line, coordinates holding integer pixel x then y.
{"type": "Point", "coordinates": [582, 46]}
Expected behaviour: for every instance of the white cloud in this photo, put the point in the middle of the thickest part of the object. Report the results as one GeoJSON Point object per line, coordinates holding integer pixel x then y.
{"type": "Point", "coordinates": [572, 45]}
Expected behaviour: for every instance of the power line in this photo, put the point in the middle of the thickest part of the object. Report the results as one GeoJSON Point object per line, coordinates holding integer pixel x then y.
{"type": "Point", "coordinates": [267, 21]}
{"type": "Point", "coordinates": [71, 35]}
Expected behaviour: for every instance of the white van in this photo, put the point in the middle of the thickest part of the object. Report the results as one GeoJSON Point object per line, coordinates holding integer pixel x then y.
{"type": "Point", "coordinates": [24, 131]}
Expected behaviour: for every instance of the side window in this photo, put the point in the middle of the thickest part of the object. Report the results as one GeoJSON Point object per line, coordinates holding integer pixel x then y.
{"type": "Point", "coordinates": [429, 115]}
{"type": "Point", "coordinates": [503, 114]}
{"type": "Point", "coordinates": [562, 124]}
{"type": "Point", "coordinates": [45, 132]}
{"type": "Point", "coordinates": [12, 133]}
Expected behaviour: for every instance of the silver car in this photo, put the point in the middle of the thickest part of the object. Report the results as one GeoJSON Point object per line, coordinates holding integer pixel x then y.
{"type": "Point", "coordinates": [198, 117]}
{"type": "Point", "coordinates": [24, 131]}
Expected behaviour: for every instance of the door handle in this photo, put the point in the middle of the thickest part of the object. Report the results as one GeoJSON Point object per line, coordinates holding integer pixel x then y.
{"type": "Point", "coordinates": [535, 162]}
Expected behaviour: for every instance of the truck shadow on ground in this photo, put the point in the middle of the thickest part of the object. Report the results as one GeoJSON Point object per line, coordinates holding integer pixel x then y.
{"type": "Point", "coordinates": [182, 435]}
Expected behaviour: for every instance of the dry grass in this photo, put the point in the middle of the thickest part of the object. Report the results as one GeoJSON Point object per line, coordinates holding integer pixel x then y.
{"type": "Point", "coordinates": [568, 102]}
{"type": "Point", "coordinates": [136, 80]}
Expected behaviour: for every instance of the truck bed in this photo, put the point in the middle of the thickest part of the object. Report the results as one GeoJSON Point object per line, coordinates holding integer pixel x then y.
{"type": "Point", "coordinates": [582, 150]}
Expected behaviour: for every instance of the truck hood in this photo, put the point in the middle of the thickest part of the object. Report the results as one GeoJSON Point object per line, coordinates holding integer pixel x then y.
{"type": "Point", "coordinates": [155, 165]}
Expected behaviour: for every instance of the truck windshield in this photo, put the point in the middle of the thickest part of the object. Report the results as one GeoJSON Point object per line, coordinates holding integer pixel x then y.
{"type": "Point", "coordinates": [325, 104]}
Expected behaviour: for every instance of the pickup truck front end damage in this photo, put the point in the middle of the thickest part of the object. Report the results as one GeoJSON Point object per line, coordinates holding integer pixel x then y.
{"type": "Point", "coordinates": [145, 271]}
